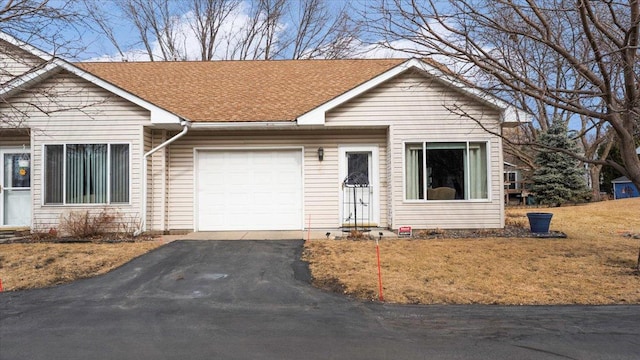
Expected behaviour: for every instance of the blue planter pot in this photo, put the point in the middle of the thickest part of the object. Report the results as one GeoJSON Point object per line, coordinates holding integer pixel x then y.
{"type": "Point", "coordinates": [539, 222]}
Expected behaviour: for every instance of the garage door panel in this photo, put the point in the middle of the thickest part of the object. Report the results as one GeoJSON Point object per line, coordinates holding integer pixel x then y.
{"type": "Point", "coordinates": [249, 190]}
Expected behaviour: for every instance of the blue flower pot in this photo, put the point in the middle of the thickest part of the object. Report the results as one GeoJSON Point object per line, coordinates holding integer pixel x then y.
{"type": "Point", "coordinates": [539, 222]}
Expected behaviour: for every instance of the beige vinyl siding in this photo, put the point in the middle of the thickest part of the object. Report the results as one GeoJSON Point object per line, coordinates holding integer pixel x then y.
{"type": "Point", "coordinates": [415, 108]}
{"type": "Point", "coordinates": [81, 114]}
{"type": "Point", "coordinates": [15, 62]}
{"type": "Point", "coordinates": [321, 179]}
{"type": "Point", "coordinates": [389, 179]}
{"type": "Point", "coordinates": [146, 146]}
{"type": "Point", "coordinates": [157, 181]}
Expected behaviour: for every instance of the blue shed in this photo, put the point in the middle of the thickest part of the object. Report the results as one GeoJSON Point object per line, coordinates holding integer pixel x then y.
{"type": "Point", "coordinates": [623, 188]}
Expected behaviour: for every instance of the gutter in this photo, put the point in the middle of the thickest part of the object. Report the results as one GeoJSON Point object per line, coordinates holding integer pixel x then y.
{"type": "Point", "coordinates": [185, 128]}
{"type": "Point", "coordinates": [258, 125]}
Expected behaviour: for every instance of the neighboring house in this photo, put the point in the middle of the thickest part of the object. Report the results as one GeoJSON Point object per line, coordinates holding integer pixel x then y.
{"type": "Point", "coordinates": [623, 188]}
{"type": "Point", "coordinates": [515, 186]}
{"type": "Point", "coordinates": [249, 145]}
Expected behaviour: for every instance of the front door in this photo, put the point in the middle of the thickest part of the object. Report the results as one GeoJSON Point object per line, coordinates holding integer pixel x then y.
{"type": "Point", "coordinates": [15, 188]}
{"type": "Point", "coordinates": [359, 184]}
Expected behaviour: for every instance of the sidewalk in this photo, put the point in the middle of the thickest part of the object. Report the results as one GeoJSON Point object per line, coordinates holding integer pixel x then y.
{"type": "Point", "coordinates": [273, 235]}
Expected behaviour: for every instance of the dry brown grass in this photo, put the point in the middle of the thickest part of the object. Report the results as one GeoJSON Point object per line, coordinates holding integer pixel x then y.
{"type": "Point", "coordinates": [594, 265]}
{"type": "Point", "coordinates": [36, 265]}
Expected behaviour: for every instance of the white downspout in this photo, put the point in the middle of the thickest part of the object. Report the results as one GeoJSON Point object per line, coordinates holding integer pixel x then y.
{"type": "Point", "coordinates": [185, 128]}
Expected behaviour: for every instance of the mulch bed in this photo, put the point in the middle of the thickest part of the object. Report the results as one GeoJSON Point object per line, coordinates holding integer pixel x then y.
{"type": "Point", "coordinates": [507, 232]}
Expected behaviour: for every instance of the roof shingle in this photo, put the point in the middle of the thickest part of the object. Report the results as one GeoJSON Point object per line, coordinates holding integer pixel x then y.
{"type": "Point", "coordinates": [229, 91]}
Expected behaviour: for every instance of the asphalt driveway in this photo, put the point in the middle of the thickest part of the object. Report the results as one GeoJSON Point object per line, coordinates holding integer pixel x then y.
{"type": "Point", "coordinates": [252, 300]}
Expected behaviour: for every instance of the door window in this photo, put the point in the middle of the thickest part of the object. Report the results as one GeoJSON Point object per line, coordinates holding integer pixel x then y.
{"type": "Point", "coordinates": [17, 171]}
{"type": "Point", "coordinates": [357, 168]}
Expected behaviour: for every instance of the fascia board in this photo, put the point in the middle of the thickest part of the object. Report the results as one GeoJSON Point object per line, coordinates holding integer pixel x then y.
{"type": "Point", "coordinates": [508, 113]}
{"type": "Point", "coordinates": [23, 45]}
{"type": "Point", "coordinates": [158, 114]}
{"type": "Point", "coordinates": [24, 81]}
{"type": "Point", "coordinates": [512, 117]}
{"type": "Point", "coordinates": [317, 115]}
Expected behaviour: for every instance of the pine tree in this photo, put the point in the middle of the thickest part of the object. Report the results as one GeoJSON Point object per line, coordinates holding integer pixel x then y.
{"type": "Point", "coordinates": [559, 178]}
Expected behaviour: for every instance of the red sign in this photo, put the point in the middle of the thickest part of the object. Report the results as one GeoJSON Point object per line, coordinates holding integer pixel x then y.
{"type": "Point", "coordinates": [404, 231]}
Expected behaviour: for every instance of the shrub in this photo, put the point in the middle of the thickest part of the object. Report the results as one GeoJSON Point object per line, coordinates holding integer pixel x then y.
{"type": "Point", "coordinates": [105, 225]}
{"type": "Point", "coordinates": [87, 225]}
{"type": "Point", "coordinates": [43, 234]}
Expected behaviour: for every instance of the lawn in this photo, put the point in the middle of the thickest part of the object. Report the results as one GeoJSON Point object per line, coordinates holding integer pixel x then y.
{"type": "Point", "coordinates": [36, 265]}
{"type": "Point", "coordinates": [593, 265]}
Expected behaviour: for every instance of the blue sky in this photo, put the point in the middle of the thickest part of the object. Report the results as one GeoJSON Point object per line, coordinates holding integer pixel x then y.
{"type": "Point", "coordinates": [97, 46]}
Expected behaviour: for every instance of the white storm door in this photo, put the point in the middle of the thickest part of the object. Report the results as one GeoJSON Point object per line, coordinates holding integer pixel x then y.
{"type": "Point", "coordinates": [249, 189]}
{"type": "Point", "coordinates": [15, 188]}
{"type": "Point", "coordinates": [359, 186]}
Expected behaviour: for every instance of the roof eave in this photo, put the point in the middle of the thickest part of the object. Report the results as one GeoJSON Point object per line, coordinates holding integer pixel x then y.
{"type": "Point", "coordinates": [23, 45]}
{"type": "Point", "coordinates": [243, 125]}
{"type": "Point", "coordinates": [159, 115]}
{"type": "Point", "coordinates": [54, 64]}
{"type": "Point", "coordinates": [27, 80]}
{"type": "Point", "coordinates": [317, 116]}
{"type": "Point", "coordinates": [510, 116]}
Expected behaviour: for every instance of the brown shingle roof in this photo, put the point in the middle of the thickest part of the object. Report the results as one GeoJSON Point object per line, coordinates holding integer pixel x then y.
{"type": "Point", "coordinates": [219, 91]}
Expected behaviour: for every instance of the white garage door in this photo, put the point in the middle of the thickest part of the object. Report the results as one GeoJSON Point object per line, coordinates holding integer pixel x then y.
{"type": "Point", "coordinates": [249, 190]}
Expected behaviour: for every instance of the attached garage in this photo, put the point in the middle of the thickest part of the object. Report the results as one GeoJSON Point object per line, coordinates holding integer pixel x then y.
{"type": "Point", "coordinates": [249, 189]}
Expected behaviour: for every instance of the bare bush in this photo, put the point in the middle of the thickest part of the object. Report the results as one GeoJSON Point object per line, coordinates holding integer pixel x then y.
{"type": "Point", "coordinates": [87, 225]}
{"type": "Point", "coordinates": [128, 228]}
{"type": "Point", "coordinates": [105, 225]}
{"type": "Point", "coordinates": [42, 234]}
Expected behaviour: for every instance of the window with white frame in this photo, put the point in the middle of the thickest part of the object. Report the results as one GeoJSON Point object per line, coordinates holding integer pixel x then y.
{"type": "Point", "coordinates": [446, 171]}
{"type": "Point", "coordinates": [511, 179]}
{"type": "Point", "coordinates": [86, 174]}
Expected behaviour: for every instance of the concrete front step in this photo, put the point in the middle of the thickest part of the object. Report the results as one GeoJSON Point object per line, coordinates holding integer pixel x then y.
{"type": "Point", "coordinates": [12, 232]}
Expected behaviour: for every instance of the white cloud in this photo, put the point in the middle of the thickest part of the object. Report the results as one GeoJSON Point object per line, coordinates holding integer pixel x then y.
{"type": "Point", "coordinates": [231, 33]}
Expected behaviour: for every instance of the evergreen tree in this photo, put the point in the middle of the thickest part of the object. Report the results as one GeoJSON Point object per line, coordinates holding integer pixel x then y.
{"type": "Point", "coordinates": [559, 177]}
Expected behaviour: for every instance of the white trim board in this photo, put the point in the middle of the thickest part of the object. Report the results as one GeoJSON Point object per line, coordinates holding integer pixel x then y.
{"type": "Point", "coordinates": [508, 113]}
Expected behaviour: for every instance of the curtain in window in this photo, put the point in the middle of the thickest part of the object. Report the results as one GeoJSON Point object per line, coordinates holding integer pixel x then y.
{"type": "Point", "coordinates": [54, 167]}
{"type": "Point", "coordinates": [120, 173]}
{"type": "Point", "coordinates": [86, 181]}
{"type": "Point", "coordinates": [413, 166]}
{"type": "Point", "coordinates": [478, 171]}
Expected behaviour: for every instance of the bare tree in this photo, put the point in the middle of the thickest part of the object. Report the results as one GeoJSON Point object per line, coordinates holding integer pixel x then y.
{"type": "Point", "coordinates": [155, 24]}
{"type": "Point", "coordinates": [227, 29]}
{"type": "Point", "coordinates": [258, 39]}
{"type": "Point", "coordinates": [43, 23]}
{"type": "Point", "coordinates": [208, 19]}
{"type": "Point", "coordinates": [597, 43]}
{"type": "Point", "coordinates": [296, 29]}
{"type": "Point", "coordinates": [597, 145]}
{"type": "Point", "coordinates": [322, 32]}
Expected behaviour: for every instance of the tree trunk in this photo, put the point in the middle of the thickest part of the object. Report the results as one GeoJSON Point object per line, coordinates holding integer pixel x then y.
{"type": "Point", "coordinates": [631, 161]}
{"type": "Point", "coordinates": [594, 173]}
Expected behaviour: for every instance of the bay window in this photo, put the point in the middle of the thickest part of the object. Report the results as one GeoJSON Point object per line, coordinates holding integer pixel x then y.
{"type": "Point", "coordinates": [86, 174]}
{"type": "Point", "coordinates": [446, 171]}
